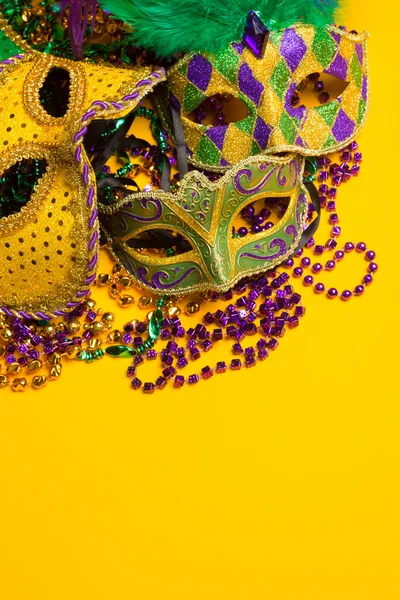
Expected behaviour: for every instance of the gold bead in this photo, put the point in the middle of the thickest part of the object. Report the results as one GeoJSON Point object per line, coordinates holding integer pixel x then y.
{"type": "Point", "coordinates": [117, 269]}
{"type": "Point", "coordinates": [205, 296]}
{"type": "Point", "coordinates": [2, 351]}
{"type": "Point", "coordinates": [97, 327]}
{"type": "Point", "coordinates": [35, 365]}
{"type": "Point", "coordinates": [174, 311]}
{"type": "Point", "coordinates": [54, 359]}
{"type": "Point", "coordinates": [125, 301]}
{"type": "Point", "coordinates": [114, 336]}
{"type": "Point", "coordinates": [74, 325]}
{"type": "Point", "coordinates": [3, 381]}
{"type": "Point", "coordinates": [114, 290]}
{"type": "Point", "coordinates": [73, 351]}
{"type": "Point", "coordinates": [169, 301]}
{"type": "Point", "coordinates": [99, 311]}
{"type": "Point", "coordinates": [94, 344]}
{"type": "Point", "coordinates": [13, 367]}
{"type": "Point", "coordinates": [145, 302]}
{"type": "Point", "coordinates": [19, 384]}
{"type": "Point", "coordinates": [61, 327]}
{"type": "Point", "coordinates": [108, 317]}
{"type": "Point", "coordinates": [39, 382]}
{"type": "Point", "coordinates": [149, 315]}
{"type": "Point", "coordinates": [103, 279]}
{"type": "Point", "coordinates": [6, 334]}
{"type": "Point", "coordinates": [90, 304]}
{"type": "Point", "coordinates": [49, 330]}
{"type": "Point", "coordinates": [111, 28]}
{"type": "Point", "coordinates": [55, 371]}
{"type": "Point", "coordinates": [192, 308]}
{"type": "Point", "coordinates": [125, 281]}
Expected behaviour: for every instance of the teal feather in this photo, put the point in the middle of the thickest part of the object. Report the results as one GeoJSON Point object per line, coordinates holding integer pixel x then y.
{"type": "Point", "coordinates": [171, 26]}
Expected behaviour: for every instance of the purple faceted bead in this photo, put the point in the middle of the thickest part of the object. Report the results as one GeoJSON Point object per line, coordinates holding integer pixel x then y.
{"type": "Point", "coordinates": [179, 381]}
{"type": "Point", "coordinates": [207, 372]}
{"type": "Point", "coordinates": [221, 367]}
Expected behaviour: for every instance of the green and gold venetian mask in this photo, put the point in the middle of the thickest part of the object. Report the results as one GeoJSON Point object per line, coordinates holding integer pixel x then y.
{"type": "Point", "coordinates": [201, 218]}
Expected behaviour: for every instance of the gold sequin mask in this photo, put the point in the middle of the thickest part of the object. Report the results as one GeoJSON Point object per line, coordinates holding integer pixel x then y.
{"type": "Point", "coordinates": [49, 245]}
{"type": "Point", "coordinates": [266, 85]}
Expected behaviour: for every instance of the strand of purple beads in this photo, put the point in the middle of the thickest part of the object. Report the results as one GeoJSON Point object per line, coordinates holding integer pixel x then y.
{"type": "Point", "coordinates": [266, 306]}
{"type": "Point", "coordinates": [331, 176]}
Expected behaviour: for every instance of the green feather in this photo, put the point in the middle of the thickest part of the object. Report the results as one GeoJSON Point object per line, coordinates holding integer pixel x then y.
{"type": "Point", "coordinates": [171, 26]}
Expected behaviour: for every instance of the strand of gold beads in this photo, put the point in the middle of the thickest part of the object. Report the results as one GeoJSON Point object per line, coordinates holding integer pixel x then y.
{"type": "Point", "coordinates": [29, 363]}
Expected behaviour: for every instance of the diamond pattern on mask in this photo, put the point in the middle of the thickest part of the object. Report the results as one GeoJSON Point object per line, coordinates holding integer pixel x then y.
{"type": "Point", "coordinates": [266, 86]}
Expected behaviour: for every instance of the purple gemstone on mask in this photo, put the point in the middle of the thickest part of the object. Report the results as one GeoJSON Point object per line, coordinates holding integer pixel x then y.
{"type": "Point", "coordinates": [364, 88]}
{"type": "Point", "coordinates": [239, 47]}
{"type": "Point", "coordinates": [262, 132]}
{"type": "Point", "coordinates": [293, 48]}
{"type": "Point", "coordinates": [360, 53]}
{"type": "Point", "coordinates": [338, 68]}
{"type": "Point", "coordinates": [249, 85]}
{"type": "Point", "coordinates": [199, 72]}
{"type": "Point", "coordinates": [256, 34]}
{"type": "Point", "coordinates": [343, 127]}
{"type": "Point", "coordinates": [217, 135]}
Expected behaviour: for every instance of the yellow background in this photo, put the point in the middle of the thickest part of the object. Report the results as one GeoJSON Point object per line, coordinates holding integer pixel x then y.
{"type": "Point", "coordinates": [280, 482]}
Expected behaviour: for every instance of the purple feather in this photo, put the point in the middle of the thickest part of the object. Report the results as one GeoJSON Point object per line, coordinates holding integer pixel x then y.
{"type": "Point", "coordinates": [78, 21]}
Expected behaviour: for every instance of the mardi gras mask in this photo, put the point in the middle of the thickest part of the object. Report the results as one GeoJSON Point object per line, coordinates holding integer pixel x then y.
{"type": "Point", "coordinates": [266, 86]}
{"type": "Point", "coordinates": [49, 243]}
{"type": "Point", "coordinates": [202, 214]}
{"type": "Point", "coordinates": [260, 59]}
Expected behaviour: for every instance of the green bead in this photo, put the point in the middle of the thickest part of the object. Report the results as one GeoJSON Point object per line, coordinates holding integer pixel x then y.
{"type": "Point", "coordinates": [120, 351]}
{"type": "Point", "coordinates": [82, 355]}
{"type": "Point", "coordinates": [148, 344]}
{"type": "Point", "coordinates": [311, 166]}
{"type": "Point", "coordinates": [141, 349]}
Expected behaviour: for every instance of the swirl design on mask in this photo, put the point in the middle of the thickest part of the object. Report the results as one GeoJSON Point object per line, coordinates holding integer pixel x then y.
{"type": "Point", "coordinates": [248, 174]}
{"type": "Point", "coordinates": [281, 244]}
{"type": "Point", "coordinates": [291, 230]}
{"type": "Point", "coordinates": [144, 203]}
{"type": "Point", "coordinates": [156, 278]}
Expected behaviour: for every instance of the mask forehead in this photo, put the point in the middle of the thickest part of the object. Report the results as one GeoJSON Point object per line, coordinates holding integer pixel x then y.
{"type": "Point", "coordinates": [203, 213]}
{"type": "Point", "coordinates": [51, 245]}
{"type": "Point", "coordinates": [266, 86]}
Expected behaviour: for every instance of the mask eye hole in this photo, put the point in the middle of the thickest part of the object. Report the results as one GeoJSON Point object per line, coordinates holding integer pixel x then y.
{"type": "Point", "coordinates": [160, 243]}
{"type": "Point", "coordinates": [18, 183]}
{"type": "Point", "coordinates": [260, 216]}
{"type": "Point", "coordinates": [317, 89]}
{"type": "Point", "coordinates": [219, 110]}
{"type": "Point", "coordinates": [55, 92]}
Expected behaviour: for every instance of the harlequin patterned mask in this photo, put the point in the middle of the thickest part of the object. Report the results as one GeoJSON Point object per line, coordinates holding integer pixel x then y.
{"type": "Point", "coordinates": [266, 86]}
{"type": "Point", "coordinates": [203, 214]}
{"type": "Point", "coordinates": [259, 58]}
{"type": "Point", "coordinates": [49, 246]}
